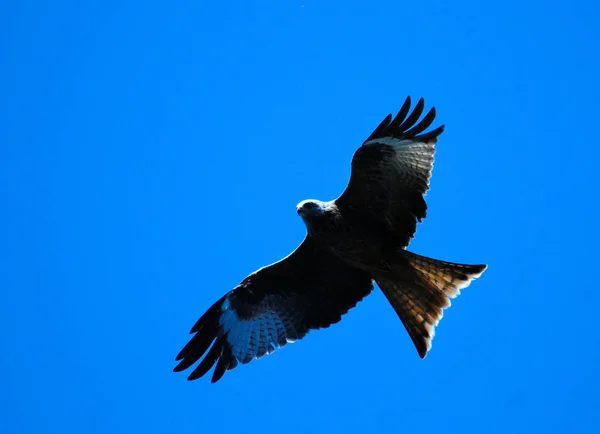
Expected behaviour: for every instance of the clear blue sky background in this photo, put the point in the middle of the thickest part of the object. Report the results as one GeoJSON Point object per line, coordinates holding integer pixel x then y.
{"type": "Point", "coordinates": [151, 157]}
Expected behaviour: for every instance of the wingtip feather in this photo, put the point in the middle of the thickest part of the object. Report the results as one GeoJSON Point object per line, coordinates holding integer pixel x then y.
{"type": "Point", "coordinates": [408, 126]}
{"type": "Point", "coordinates": [208, 362]}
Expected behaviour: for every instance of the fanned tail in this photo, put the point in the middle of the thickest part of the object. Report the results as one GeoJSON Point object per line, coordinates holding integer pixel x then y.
{"type": "Point", "coordinates": [420, 289]}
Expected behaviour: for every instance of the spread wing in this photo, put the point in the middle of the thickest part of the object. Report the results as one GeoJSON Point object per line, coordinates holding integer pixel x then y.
{"type": "Point", "coordinates": [280, 303]}
{"type": "Point", "coordinates": [391, 171]}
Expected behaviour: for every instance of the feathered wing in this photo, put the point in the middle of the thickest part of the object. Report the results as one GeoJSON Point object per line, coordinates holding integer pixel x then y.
{"type": "Point", "coordinates": [391, 171]}
{"type": "Point", "coordinates": [280, 303]}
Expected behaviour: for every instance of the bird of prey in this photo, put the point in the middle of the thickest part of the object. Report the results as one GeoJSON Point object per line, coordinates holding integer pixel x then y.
{"type": "Point", "coordinates": [351, 242]}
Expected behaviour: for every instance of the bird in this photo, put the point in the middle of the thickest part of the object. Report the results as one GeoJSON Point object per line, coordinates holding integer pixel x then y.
{"type": "Point", "coordinates": [351, 243]}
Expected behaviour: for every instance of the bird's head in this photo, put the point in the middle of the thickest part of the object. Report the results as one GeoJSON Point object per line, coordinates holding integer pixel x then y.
{"type": "Point", "coordinates": [311, 209]}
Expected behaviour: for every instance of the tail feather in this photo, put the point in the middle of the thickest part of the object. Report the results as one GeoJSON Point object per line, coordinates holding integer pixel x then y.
{"type": "Point", "coordinates": [421, 289]}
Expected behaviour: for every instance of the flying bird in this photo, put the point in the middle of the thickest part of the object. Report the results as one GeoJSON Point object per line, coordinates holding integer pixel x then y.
{"type": "Point", "coordinates": [350, 243]}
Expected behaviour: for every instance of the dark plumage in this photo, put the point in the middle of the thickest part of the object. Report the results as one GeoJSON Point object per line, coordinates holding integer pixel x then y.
{"type": "Point", "coordinates": [351, 242]}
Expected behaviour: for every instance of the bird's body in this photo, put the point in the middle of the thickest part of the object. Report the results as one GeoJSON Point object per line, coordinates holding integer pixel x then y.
{"type": "Point", "coordinates": [351, 242]}
{"type": "Point", "coordinates": [348, 235]}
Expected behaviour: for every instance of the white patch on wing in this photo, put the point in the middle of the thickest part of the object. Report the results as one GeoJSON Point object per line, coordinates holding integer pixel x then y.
{"type": "Point", "coordinates": [271, 331]}
{"type": "Point", "coordinates": [252, 342]}
{"type": "Point", "coordinates": [280, 331]}
{"type": "Point", "coordinates": [410, 155]}
{"type": "Point", "coordinates": [259, 336]}
{"type": "Point", "coordinates": [292, 334]}
{"type": "Point", "coordinates": [392, 141]}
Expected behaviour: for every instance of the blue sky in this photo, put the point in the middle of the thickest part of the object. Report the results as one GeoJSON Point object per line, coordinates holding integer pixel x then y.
{"type": "Point", "coordinates": [151, 156]}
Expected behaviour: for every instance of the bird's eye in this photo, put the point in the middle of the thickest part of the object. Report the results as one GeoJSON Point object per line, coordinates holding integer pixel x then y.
{"type": "Point", "coordinates": [309, 205]}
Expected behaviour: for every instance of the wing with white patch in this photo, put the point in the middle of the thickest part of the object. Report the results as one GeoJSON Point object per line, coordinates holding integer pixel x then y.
{"type": "Point", "coordinates": [391, 171]}
{"type": "Point", "coordinates": [281, 303]}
